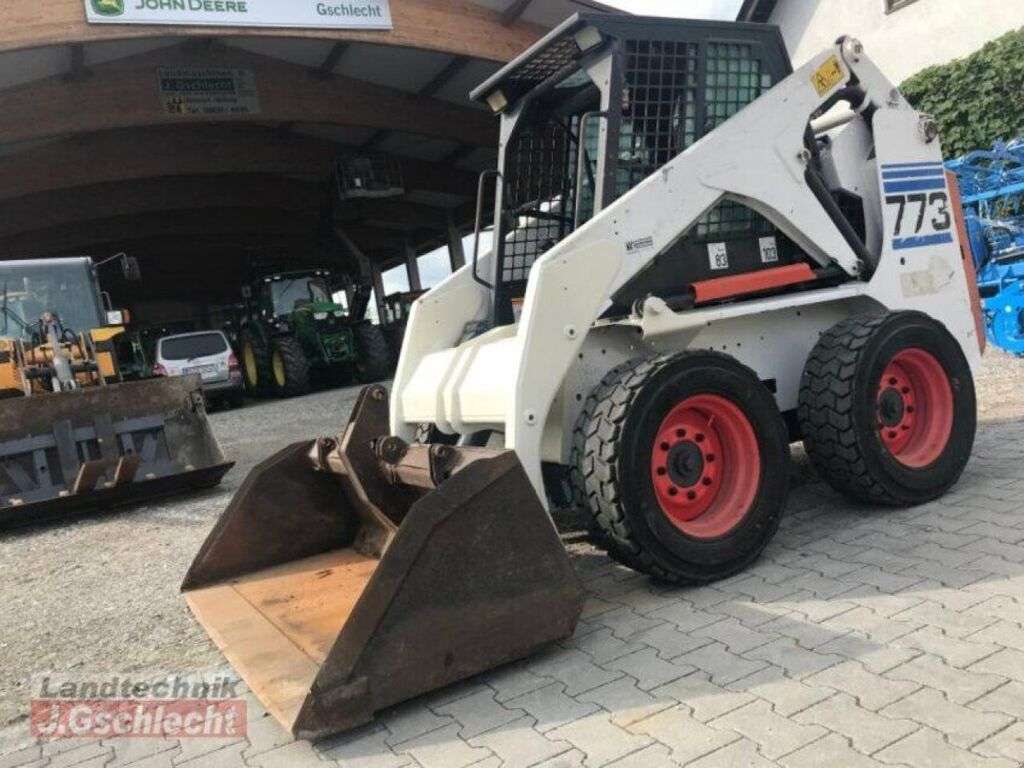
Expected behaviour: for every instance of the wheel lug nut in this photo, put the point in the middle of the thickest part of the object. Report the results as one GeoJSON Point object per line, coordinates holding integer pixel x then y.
{"type": "Point", "coordinates": [664, 446]}
{"type": "Point", "coordinates": [691, 495]}
{"type": "Point", "coordinates": [673, 491]}
{"type": "Point", "coordinates": [699, 438]}
{"type": "Point", "coordinates": [662, 470]}
{"type": "Point", "coordinates": [709, 458]}
{"type": "Point", "coordinates": [706, 481]}
{"type": "Point", "coordinates": [680, 433]}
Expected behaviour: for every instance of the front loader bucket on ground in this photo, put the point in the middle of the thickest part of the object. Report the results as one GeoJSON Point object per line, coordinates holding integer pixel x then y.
{"type": "Point", "coordinates": [102, 447]}
{"type": "Point", "coordinates": [346, 576]}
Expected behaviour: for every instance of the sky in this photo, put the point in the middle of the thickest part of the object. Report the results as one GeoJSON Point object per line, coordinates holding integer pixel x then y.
{"type": "Point", "coordinates": [690, 9]}
{"type": "Point", "coordinates": [434, 265]}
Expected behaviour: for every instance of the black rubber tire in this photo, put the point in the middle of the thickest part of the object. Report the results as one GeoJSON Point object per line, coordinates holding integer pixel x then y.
{"type": "Point", "coordinates": [261, 386]}
{"type": "Point", "coordinates": [296, 368]}
{"type": "Point", "coordinates": [374, 354]}
{"type": "Point", "coordinates": [611, 466]}
{"type": "Point", "coordinates": [838, 408]}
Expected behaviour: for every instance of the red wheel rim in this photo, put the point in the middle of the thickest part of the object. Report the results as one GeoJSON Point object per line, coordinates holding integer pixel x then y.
{"type": "Point", "coordinates": [915, 408]}
{"type": "Point", "coordinates": [705, 466]}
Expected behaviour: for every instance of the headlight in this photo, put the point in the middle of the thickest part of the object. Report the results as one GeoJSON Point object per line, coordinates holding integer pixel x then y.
{"type": "Point", "coordinates": [339, 313]}
{"type": "Point", "coordinates": [319, 315]}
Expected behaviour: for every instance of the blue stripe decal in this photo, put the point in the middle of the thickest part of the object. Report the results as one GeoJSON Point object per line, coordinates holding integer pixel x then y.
{"type": "Point", "coordinates": [903, 243]}
{"type": "Point", "coordinates": [923, 173]}
{"type": "Point", "coordinates": [915, 186]}
{"type": "Point", "coordinates": [912, 165]}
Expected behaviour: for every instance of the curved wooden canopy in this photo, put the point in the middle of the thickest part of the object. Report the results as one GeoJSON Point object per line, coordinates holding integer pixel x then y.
{"type": "Point", "coordinates": [91, 160]}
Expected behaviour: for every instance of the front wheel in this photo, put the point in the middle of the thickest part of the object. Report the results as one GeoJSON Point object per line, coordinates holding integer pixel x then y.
{"type": "Point", "coordinates": [887, 408]}
{"type": "Point", "coordinates": [289, 368]}
{"type": "Point", "coordinates": [683, 461]}
{"type": "Point", "coordinates": [374, 361]}
{"type": "Point", "coordinates": [255, 364]}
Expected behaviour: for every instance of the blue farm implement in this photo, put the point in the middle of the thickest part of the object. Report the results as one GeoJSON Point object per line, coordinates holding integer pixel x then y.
{"type": "Point", "coordinates": [992, 186]}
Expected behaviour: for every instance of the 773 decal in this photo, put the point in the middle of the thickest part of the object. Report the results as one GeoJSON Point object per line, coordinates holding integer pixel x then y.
{"type": "Point", "coordinates": [918, 192]}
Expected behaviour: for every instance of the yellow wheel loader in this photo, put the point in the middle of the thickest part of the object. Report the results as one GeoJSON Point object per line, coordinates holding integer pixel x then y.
{"type": "Point", "coordinates": [699, 256]}
{"type": "Point", "coordinates": [73, 438]}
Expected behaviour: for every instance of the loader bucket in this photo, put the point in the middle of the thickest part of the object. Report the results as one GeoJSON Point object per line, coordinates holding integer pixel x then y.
{"type": "Point", "coordinates": [102, 447]}
{"type": "Point", "coordinates": [349, 575]}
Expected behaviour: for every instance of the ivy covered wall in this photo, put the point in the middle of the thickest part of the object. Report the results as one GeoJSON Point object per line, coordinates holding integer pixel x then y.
{"type": "Point", "coordinates": [975, 100]}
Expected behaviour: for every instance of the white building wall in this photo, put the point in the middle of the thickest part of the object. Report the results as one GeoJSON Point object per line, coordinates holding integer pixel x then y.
{"type": "Point", "coordinates": [903, 42]}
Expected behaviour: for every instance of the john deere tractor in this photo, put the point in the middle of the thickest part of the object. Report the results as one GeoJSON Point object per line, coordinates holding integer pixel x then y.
{"type": "Point", "coordinates": [292, 332]}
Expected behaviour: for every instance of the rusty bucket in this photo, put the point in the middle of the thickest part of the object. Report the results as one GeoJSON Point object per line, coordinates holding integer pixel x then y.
{"type": "Point", "coordinates": [103, 447]}
{"type": "Point", "coordinates": [348, 575]}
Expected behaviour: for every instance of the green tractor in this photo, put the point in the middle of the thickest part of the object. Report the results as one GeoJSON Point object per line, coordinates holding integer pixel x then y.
{"type": "Point", "coordinates": [292, 331]}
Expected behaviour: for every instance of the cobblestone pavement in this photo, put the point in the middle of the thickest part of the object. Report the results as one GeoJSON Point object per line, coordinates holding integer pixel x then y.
{"type": "Point", "coordinates": [864, 637]}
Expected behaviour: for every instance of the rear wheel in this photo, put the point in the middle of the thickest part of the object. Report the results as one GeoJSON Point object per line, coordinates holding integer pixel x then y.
{"type": "Point", "coordinates": [255, 364]}
{"type": "Point", "coordinates": [374, 354]}
{"type": "Point", "coordinates": [887, 408]}
{"type": "Point", "coordinates": [289, 368]}
{"type": "Point", "coordinates": [683, 461]}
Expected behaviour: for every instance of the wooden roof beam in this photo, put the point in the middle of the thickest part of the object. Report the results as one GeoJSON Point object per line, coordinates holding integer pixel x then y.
{"type": "Point", "coordinates": [439, 81]}
{"type": "Point", "coordinates": [332, 59]}
{"type": "Point", "coordinates": [122, 156]}
{"type": "Point", "coordinates": [125, 94]}
{"type": "Point", "coordinates": [513, 13]}
{"type": "Point", "coordinates": [142, 196]}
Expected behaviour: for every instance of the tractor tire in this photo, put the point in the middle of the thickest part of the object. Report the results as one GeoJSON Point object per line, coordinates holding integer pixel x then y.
{"type": "Point", "coordinates": [374, 354]}
{"type": "Point", "coordinates": [683, 462]}
{"type": "Point", "coordinates": [255, 364]}
{"type": "Point", "coordinates": [887, 408]}
{"type": "Point", "coordinates": [290, 368]}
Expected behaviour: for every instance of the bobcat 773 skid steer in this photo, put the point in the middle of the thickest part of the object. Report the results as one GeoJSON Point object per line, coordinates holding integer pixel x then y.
{"type": "Point", "coordinates": [693, 265]}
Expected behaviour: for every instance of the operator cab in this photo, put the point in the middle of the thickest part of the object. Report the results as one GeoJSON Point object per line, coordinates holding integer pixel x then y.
{"type": "Point", "coordinates": [286, 292]}
{"type": "Point", "coordinates": [65, 287]}
{"type": "Point", "coordinates": [599, 105]}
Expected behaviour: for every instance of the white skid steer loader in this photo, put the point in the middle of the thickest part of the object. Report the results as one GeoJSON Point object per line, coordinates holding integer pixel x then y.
{"type": "Point", "coordinates": [698, 257]}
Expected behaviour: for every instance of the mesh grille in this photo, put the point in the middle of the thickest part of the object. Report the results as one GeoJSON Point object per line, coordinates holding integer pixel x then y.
{"type": "Point", "coordinates": [662, 115]}
{"type": "Point", "coordinates": [733, 80]}
{"type": "Point", "coordinates": [541, 175]}
{"type": "Point", "coordinates": [660, 118]}
{"type": "Point", "coordinates": [544, 65]}
{"type": "Point", "coordinates": [675, 91]}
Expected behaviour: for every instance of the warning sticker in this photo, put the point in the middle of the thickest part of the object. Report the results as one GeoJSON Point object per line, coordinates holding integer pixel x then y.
{"type": "Point", "coordinates": [206, 91]}
{"type": "Point", "coordinates": [769, 250]}
{"type": "Point", "coordinates": [827, 76]}
{"type": "Point", "coordinates": [718, 256]}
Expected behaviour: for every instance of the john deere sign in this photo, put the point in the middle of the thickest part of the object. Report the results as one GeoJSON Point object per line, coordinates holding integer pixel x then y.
{"type": "Point", "coordinates": [335, 14]}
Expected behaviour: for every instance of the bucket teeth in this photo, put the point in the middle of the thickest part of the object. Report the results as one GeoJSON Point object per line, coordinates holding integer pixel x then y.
{"type": "Point", "coordinates": [453, 567]}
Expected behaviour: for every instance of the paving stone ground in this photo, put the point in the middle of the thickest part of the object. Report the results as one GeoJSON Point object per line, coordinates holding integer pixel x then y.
{"type": "Point", "coordinates": [864, 637]}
